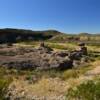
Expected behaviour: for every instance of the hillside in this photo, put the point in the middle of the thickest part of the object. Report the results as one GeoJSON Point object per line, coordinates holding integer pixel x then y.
{"type": "Point", "coordinates": [16, 35]}
{"type": "Point", "coordinates": [81, 37]}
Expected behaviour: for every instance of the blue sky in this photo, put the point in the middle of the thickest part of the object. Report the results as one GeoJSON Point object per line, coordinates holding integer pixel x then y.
{"type": "Point", "coordinates": [70, 16]}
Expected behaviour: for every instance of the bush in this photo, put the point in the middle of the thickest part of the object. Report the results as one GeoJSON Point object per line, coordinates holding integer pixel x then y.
{"type": "Point", "coordinates": [70, 74]}
{"type": "Point", "coordinates": [57, 46]}
{"type": "Point", "coordinates": [85, 91]}
{"type": "Point", "coordinates": [4, 82]}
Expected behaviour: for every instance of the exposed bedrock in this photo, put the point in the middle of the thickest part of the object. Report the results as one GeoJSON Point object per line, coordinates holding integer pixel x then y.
{"type": "Point", "coordinates": [36, 58]}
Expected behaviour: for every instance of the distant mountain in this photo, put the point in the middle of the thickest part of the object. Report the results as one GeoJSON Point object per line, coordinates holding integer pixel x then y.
{"type": "Point", "coordinates": [84, 34]}
{"type": "Point", "coordinates": [15, 35]}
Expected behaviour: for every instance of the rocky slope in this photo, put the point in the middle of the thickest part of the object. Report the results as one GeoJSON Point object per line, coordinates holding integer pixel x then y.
{"type": "Point", "coordinates": [42, 57]}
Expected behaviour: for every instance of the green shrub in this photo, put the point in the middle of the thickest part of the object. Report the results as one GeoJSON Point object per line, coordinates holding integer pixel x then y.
{"type": "Point", "coordinates": [85, 91]}
{"type": "Point", "coordinates": [5, 80]}
{"type": "Point", "coordinates": [57, 46]}
{"type": "Point", "coordinates": [4, 83]}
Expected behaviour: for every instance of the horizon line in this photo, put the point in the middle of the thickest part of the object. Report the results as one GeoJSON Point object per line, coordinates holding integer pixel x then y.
{"type": "Point", "coordinates": [53, 29]}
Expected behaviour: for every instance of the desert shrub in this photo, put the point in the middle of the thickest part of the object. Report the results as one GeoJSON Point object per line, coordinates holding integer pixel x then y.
{"type": "Point", "coordinates": [57, 46]}
{"type": "Point", "coordinates": [85, 91]}
{"type": "Point", "coordinates": [70, 74]}
{"type": "Point", "coordinates": [38, 74]}
{"type": "Point", "coordinates": [47, 73]}
{"type": "Point", "coordinates": [75, 73]}
{"type": "Point", "coordinates": [67, 46]}
{"type": "Point", "coordinates": [4, 82]}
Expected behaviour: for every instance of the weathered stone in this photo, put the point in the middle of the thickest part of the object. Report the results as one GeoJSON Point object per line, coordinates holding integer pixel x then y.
{"type": "Point", "coordinates": [84, 50]}
{"type": "Point", "coordinates": [31, 58]}
{"type": "Point", "coordinates": [42, 57]}
{"type": "Point", "coordinates": [81, 44]}
{"type": "Point", "coordinates": [61, 53]}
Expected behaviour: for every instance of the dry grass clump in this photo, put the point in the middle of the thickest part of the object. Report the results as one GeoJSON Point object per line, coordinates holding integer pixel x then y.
{"type": "Point", "coordinates": [50, 88]}
{"type": "Point", "coordinates": [4, 83]}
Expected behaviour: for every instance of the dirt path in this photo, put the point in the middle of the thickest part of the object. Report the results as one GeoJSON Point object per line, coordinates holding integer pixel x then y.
{"type": "Point", "coordinates": [89, 75]}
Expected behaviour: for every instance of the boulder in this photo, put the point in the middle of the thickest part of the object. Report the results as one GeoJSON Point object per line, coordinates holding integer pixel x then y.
{"type": "Point", "coordinates": [84, 50]}
{"type": "Point", "coordinates": [61, 53]}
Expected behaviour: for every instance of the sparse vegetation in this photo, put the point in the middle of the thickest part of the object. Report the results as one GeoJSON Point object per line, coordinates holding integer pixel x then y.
{"type": "Point", "coordinates": [52, 82]}
{"type": "Point", "coordinates": [89, 90]}
{"type": "Point", "coordinates": [4, 83]}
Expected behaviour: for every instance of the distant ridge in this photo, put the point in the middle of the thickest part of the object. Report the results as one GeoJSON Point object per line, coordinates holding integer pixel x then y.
{"type": "Point", "coordinates": [14, 35]}
{"type": "Point", "coordinates": [11, 35]}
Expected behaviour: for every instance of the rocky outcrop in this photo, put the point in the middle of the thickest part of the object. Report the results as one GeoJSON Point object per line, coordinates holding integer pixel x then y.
{"type": "Point", "coordinates": [33, 58]}
{"type": "Point", "coordinates": [42, 57]}
{"type": "Point", "coordinates": [83, 49]}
